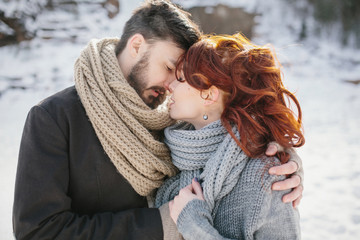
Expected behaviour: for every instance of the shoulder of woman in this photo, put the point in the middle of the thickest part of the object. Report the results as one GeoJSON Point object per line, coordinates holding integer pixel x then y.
{"type": "Point", "coordinates": [256, 173]}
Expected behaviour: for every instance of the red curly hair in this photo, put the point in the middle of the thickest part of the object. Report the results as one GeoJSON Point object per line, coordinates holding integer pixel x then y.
{"type": "Point", "coordinates": [255, 97]}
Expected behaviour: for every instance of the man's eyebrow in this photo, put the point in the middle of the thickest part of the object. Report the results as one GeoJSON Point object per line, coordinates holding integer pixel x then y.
{"type": "Point", "coordinates": [173, 61]}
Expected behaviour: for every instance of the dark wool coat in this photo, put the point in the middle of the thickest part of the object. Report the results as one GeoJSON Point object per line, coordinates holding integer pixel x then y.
{"type": "Point", "coordinates": [66, 186]}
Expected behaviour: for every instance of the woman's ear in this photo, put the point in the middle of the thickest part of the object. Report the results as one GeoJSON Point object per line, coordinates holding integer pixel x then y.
{"type": "Point", "coordinates": [135, 44]}
{"type": "Point", "coordinates": [213, 95]}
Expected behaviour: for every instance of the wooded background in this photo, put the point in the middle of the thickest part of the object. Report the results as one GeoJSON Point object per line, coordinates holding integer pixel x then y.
{"type": "Point", "coordinates": [18, 18]}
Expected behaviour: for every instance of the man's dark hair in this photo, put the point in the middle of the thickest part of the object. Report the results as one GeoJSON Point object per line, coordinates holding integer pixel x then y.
{"type": "Point", "coordinates": [160, 20]}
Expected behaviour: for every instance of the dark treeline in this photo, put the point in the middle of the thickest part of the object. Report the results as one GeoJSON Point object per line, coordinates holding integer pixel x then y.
{"type": "Point", "coordinates": [327, 13]}
{"type": "Point", "coordinates": [14, 26]}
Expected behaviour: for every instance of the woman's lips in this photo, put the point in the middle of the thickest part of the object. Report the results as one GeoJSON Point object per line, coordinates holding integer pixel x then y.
{"type": "Point", "coordinates": [171, 101]}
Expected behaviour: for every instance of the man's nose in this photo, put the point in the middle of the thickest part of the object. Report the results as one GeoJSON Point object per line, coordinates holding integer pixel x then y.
{"type": "Point", "coordinates": [168, 84]}
{"type": "Point", "coordinates": [172, 85]}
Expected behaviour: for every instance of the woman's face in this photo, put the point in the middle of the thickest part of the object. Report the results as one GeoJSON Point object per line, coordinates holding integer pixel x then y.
{"type": "Point", "coordinates": [186, 103]}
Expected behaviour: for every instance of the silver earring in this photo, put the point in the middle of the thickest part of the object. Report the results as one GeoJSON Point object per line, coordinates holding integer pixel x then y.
{"type": "Point", "coordinates": [205, 117]}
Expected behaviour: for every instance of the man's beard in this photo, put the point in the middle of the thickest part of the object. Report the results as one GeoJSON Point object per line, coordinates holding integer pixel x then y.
{"type": "Point", "coordinates": [137, 80]}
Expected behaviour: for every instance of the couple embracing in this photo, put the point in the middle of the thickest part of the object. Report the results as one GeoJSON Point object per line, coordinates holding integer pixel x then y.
{"type": "Point", "coordinates": [163, 136]}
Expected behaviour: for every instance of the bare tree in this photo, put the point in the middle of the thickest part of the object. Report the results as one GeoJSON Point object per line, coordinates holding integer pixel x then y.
{"type": "Point", "coordinates": [18, 17]}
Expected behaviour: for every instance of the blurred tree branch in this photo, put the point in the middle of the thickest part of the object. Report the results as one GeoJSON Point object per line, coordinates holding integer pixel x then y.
{"type": "Point", "coordinates": [20, 23]}
{"type": "Point", "coordinates": [344, 15]}
{"type": "Point", "coordinates": [17, 25]}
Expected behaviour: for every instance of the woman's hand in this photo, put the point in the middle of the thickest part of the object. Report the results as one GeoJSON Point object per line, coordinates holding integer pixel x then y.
{"type": "Point", "coordinates": [188, 193]}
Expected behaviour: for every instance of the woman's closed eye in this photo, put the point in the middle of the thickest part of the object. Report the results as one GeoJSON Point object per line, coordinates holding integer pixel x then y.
{"type": "Point", "coordinates": [180, 79]}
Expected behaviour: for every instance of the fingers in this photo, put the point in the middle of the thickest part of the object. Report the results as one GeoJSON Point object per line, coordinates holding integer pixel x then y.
{"type": "Point", "coordinates": [273, 148]}
{"type": "Point", "coordinates": [286, 168]}
{"type": "Point", "coordinates": [289, 183]}
{"type": "Point", "coordinates": [294, 196]}
{"type": "Point", "coordinates": [197, 189]}
{"type": "Point", "coordinates": [186, 190]}
{"type": "Point", "coordinates": [297, 202]}
{"type": "Point", "coordinates": [186, 195]}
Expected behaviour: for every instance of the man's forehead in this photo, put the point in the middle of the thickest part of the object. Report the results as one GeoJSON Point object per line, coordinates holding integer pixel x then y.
{"type": "Point", "coordinates": [168, 44]}
{"type": "Point", "coordinates": [169, 48]}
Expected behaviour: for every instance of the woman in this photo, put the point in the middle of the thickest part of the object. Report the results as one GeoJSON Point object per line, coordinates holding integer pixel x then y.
{"type": "Point", "coordinates": [232, 100]}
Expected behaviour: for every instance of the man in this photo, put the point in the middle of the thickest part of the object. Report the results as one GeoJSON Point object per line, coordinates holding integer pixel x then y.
{"type": "Point", "coordinates": [90, 154]}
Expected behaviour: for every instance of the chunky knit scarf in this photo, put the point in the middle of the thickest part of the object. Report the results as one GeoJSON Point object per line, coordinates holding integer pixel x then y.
{"type": "Point", "coordinates": [126, 127]}
{"type": "Point", "coordinates": [210, 154]}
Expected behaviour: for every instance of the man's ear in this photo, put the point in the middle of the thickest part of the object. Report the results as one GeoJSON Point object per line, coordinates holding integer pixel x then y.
{"type": "Point", "coordinates": [136, 44]}
{"type": "Point", "coordinates": [212, 95]}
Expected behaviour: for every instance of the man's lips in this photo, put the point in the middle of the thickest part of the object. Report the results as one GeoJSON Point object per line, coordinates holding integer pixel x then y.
{"type": "Point", "coordinates": [156, 92]}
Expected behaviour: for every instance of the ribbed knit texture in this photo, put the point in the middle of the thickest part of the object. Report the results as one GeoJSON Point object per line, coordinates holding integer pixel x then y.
{"type": "Point", "coordinates": [250, 211]}
{"type": "Point", "coordinates": [239, 203]}
{"type": "Point", "coordinates": [210, 154]}
{"type": "Point", "coordinates": [126, 127]}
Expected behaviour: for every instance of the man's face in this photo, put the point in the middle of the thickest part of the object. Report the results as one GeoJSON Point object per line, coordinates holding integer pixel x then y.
{"type": "Point", "coordinates": [152, 75]}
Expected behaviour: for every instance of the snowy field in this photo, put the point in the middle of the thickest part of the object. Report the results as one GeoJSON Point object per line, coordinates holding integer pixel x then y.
{"type": "Point", "coordinates": [316, 69]}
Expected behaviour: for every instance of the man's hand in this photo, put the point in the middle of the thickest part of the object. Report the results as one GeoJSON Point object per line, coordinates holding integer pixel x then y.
{"type": "Point", "coordinates": [289, 168]}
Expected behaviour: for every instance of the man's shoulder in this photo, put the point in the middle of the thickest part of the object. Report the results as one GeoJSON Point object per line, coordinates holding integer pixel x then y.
{"type": "Point", "coordinates": [63, 104]}
{"type": "Point", "coordinates": [65, 97]}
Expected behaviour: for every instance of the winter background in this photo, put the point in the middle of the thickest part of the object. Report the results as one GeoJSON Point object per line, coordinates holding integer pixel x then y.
{"type": "Point", "coordinates": [322, 72]}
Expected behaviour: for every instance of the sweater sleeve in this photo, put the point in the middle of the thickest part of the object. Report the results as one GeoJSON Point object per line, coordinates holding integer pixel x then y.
{"type": "Point", "coordinates": [195, 222]}
{"type": "Point", "coordinates": [267, 217]}
{"type": "Point", "coordinates": [275, 219]}
{"type": "Point", "coordinates": [42, 207]}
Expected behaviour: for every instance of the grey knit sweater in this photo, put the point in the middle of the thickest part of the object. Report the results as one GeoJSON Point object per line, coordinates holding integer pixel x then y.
{"type": "Point", "coordinates": [250, 210]}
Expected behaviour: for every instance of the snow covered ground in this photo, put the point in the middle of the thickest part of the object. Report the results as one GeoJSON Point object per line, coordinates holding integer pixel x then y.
{"type": "Point", "coordinates": [316, 69]}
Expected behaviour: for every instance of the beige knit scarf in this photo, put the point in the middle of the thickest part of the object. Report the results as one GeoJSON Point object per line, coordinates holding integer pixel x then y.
{"type": "Point", "coordinates": [126, 127]}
